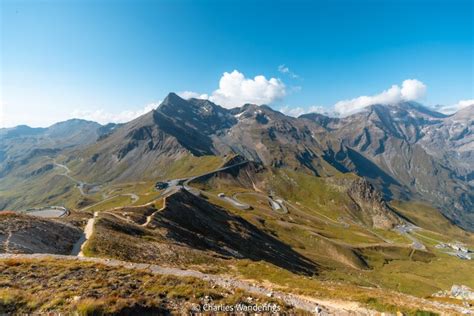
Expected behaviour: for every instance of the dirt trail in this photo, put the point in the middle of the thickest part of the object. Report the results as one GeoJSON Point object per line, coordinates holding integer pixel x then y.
{"type": "Point", "coordinates": [309, 304]}
{"type": "Point", "coordinates": [88, 230]}
{"type": "Point", "coordinates": [150, 218]}
{"type": "Point", "coordinates": [123, 218]}
{"type": "Point", "coordinates": [7, 242]}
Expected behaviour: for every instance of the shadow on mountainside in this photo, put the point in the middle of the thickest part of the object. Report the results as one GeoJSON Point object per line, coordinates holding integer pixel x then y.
{"type": "Point", "coordinates": [348, 160]}
{"type": "Point", "coordinates": [201, 225]}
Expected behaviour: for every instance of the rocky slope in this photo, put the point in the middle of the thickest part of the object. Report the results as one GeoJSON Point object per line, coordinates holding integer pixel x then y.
{"type": "Point", "coordinates": [179, 127]}
{"type": "Point", "coordinates": [372, 209]}
{"type": "Point", "coordinates": [190, 227]}
{"type": "Point", "coordinates": [409, 152]}
{"type": "Point", "coordinates": [29, 234]}
{"type": "Point", "coordinates": [452, 141]}
{"type": "Point", "coordinates": [134, 151]}
{"type": "Point", "coordinates": [274, 139]}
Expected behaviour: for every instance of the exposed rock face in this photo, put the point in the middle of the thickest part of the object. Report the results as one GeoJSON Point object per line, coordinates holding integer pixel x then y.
{"type": "Point", "coordinates": [28, 234]}
{"type": "Point", "coordinates": [452, 140]}
{"type": "Point", "coordinates": [460, 292]}
{"type": "Point", "coordinates": [41, 170]}
{"type": "Point", "coordinates": [267, 136]}
{"type": "Point", "coordinates": [373, 210]}
{"type": "Point", "coordinates": [408, 151]}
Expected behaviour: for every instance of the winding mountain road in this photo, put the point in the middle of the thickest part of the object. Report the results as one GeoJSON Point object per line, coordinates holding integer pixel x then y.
{"type": "Point", "coordinates": [308, 304]}
{"type": "Point", "coordinates": [234, 202]}
{"type": "Point", "coordinates": [277, 206]}
{"type": "Point", "coordinates": [80, 184]}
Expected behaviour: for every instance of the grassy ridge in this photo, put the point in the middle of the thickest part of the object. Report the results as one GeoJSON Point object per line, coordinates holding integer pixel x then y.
{"type": "Point", "coordinates": [84, 288]}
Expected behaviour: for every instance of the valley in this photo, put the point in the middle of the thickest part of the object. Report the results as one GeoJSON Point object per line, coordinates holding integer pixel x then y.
{"type": "Point", "coordinates": [249, 201]}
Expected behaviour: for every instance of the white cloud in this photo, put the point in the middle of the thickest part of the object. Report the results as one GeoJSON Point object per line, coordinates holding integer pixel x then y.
{"type": "Point", "coordinates": [103, 117]}
{"type": "Point", "coordinates": [236, 90]}
{"type": "Point", "coordinates": [297, 111]}
{"type": "Point", "coordinates": [292, 111]}
{"type": "Point", "coordinates": [453, 108]}
{"type": "Point", "coordinates": [193, 95]}
{"type": "Point", "coordinates": [285, 70]}
{"type": "Point", "coordinates": [411, 90]}
{"type": "Point", "coordinates": [319, 109]}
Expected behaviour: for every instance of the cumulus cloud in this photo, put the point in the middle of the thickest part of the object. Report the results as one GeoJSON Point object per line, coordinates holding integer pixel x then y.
{"type": "Point", "coordinates": [411, 90]}
{"type": "Point", "coordinates": [235, 90]}
{"type": "Point", "coordinates": [285, 70]}
{"type": "Point", "coordinates": [453, 108]}
{"type": "Point", "coordinates": [103, 117]}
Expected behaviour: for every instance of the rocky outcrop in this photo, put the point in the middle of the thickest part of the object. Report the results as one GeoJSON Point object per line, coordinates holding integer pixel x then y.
{"type": "Point", "coordinates": [460, 292]}
{"type": "Point", "coordinates": [372, 209]}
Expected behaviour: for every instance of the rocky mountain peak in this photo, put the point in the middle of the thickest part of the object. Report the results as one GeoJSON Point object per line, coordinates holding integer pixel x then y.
{"type": "Point", "coordinates": [320, 119]}
{"type": "Point", "coordinates": [172, 98]}
{"type": "Point", "coordinates": [203, 115]}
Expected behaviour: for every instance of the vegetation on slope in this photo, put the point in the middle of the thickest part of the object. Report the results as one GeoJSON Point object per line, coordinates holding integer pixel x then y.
{"type": "Point", "coordinates": [63, 286]}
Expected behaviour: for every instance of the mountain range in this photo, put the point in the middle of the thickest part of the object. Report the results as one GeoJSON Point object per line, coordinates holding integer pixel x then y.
{"type": "Point", "coordinates": [406, 151]}
{"type": "Point", "coordinates": [368, 213]}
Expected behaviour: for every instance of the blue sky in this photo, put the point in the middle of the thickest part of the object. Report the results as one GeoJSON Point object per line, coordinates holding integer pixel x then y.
{"type": "Point", "coordinates": [108, 59]}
